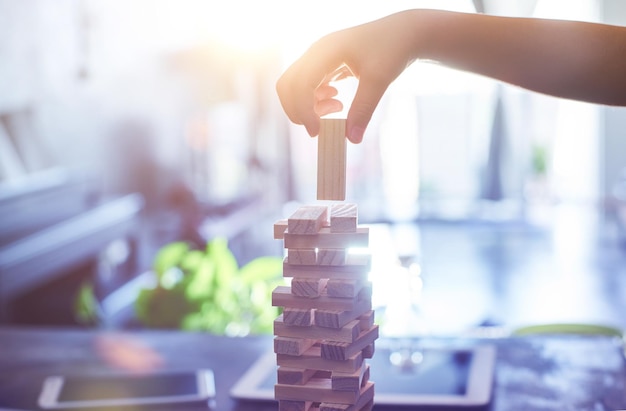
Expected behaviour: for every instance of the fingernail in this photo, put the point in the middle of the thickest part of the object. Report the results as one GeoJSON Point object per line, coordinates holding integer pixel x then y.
{"type": "Point", "coordinates": [355, 134]}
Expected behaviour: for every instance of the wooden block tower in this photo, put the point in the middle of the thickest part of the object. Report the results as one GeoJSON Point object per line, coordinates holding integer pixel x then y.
{"type": "Point", "coordinates": [326, 330]}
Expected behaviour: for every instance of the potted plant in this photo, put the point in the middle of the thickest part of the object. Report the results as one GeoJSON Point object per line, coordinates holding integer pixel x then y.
{"type": "Point", "coordinates": [207, 290]}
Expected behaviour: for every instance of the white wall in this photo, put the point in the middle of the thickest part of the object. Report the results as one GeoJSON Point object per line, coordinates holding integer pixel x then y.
{"type": "Point", "coordinates": [613, 159]}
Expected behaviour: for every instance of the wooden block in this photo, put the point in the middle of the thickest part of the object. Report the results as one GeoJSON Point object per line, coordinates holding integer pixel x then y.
{"type": "Point", "coordinates": [346, 288]}
{"type": "Point", "coordinates": [348, 333]}
{"type": "Point", "coordinates": [332, 256]}
{"type": "Point", "coordinates": [307, 219]}
{"type": "Point", "coordinates": [323, 374]}
{"type": "Point", "coordinates": [368, 407]}
{"type": "Point", "coordinates": [312, 359]}
{"type": "Point", "coordinates": [280, 227]}
{"type": "Point", "coordinates": [357, 267]}
{"type": "Point", "coordinates": [335, 350]}
{"type": "Point", "coordinates": [366, 376]}
{"type": "Point", "coordinates": [298, 317]}
{"type": "Point", "coordinates": [294, 376]}
{"type": "Point", "coordinates": [366, 320]}
{"type": "Point", "coordinates": [302, 256]}
{"type": "Point", "coordinates": [288, 405]}
{"type": "Point", "coordinates": [331, 160]}
{"type": "Point", "coordinates": [342, 381]}
{"type": "Point", "coordinates": [337, 318]}
{"type": "Point", "coordinates": [316, 388]}
{"type": "Point", "coordinates": [283, 297]}
{"type": "Point", "coordinates": [308, 287]}
{"type": "Point", "coordinates": [343, 218]}
{"type": "Point", "coordinates": [368, 352]}
{"type": "Point", "coordinates": [325, 239]}
{"type": "Point", "coordinates": [292, 346]}
{"type": "Point", "coordinates": [366, 399]}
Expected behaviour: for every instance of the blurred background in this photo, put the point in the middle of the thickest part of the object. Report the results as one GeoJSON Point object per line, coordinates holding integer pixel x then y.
{"type": "Point", "coordinates": [133, 133]}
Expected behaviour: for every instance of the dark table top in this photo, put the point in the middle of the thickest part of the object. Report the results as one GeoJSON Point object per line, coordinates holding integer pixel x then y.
{"type": "Point", "coordinates": [532, 373]}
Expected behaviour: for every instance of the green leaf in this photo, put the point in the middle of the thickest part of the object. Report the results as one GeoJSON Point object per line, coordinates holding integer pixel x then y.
{"type": "Point", "coordinates": [201, 284]}
{"type": "Point", "coordinates": [192, 261]}
{"type": "Point", "coordinates": [261, 269]}
{"type": "Point", "coordinates": [169, 256]}
{"type": "Point", "coordinates": [86, 306]}
{"type": "Point", "coordinates": [226, 266]}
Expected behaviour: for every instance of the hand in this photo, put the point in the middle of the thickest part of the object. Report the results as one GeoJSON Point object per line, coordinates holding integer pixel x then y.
{"type": "Point", "coordinates": [375, 53]}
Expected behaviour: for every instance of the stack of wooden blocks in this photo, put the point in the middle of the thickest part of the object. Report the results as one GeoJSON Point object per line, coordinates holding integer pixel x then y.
{"type": "Point", "coordinates": [326, 330]}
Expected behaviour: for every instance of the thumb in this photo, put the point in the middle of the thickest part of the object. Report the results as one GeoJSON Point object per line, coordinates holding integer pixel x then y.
{"type": "Point", "coordinates": [366, 99]}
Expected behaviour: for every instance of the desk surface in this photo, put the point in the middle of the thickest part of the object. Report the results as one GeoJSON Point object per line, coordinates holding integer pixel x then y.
{"type": "Point", "coordinates": [541, 373]}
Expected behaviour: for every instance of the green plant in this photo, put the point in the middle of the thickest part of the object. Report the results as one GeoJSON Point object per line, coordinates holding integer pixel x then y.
{"type": "Point", "coordinates": [539, 160]}
{"type": "Point", "coordinates": [207, 290]}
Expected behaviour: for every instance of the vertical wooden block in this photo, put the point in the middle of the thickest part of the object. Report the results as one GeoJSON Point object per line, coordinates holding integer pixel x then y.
{"type": "Point", "coordinates": [331, 256]}
{"type": "Point", "coordinates": [331, 160]}
{"type": "Point", "coordinates": [343, 218]}
{"type": "Point", "coordinates": [307, 219]}
{"type": "Point", "coordinates": [308, 287]}
{"type": "Point", "coordinates": [302, 256]}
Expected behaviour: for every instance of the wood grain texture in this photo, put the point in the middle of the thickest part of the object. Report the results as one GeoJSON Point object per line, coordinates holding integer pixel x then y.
{"type": "Point", "coordinates": [365, 401]}
{"type": "Point", "coordinates": [307, 219]}
{"type": "Point", "coordinates": [318, 389]}
{"type": "Point", "coordinates": [348, 333]}
{"type": "Point", "coordinates": [308, 287]}
{"type": "Point", "coordinates": [357, 267]}
{"type": "Point", "coordinates": [335, 350]}
{"type": "Point", "coordinates": [366, 321]}
{"type": "Point", "coordinates": [344, 288]}
{"type": "Point", "coordinates": [325, 239]}
{"type": "Point", "coordinates": [292, 346]}
{"type": "Point", "coordinates": [282, 297]}
{"type": "Point", "coordinates": [343, 218]}
{"type": "Point", "coordinates": [287, 405]}
{"type": "Point", "coordinates": [332, 256]}
{"type": "Point", "coordinates": [342, 381]}
{"type": "Point", "coordinates": [337, 318]}
{"type": "Point", "coordinates": [280, 227]}
{"type": "Point", "coordinates": [294, 376]}
{"type": "Point", "coordinates": [299, 317]}
{"type": "Point", "coordinates": [368, 352]}
{"type": "Point", "coordinates": [312, 359]}
{"type": "Point", "coordinates": [302, 256]}
{"type": "Point", "coordinates": [331, 160]}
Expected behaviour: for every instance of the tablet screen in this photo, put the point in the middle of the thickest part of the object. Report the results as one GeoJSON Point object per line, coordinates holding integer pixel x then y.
{"type": "Point", "coordinates": [104, 388]}
{"type": "Point", "coordinates": [439, 372]}
{"type": "Point", "coordinates": [449, 376]}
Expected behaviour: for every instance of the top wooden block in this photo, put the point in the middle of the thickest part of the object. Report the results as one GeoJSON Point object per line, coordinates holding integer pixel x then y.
{"type": "Point", "coordinates": [331, 159]}
{"type": "Point", "coordinates": [307, 219]}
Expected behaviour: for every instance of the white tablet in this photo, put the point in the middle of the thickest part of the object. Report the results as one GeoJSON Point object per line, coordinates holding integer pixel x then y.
{"type": "Point", "coordinates": [67, 392]}
{"type": "Point", "coordinates": [459, 377]}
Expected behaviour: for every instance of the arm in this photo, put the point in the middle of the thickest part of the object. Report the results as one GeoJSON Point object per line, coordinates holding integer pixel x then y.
{"type": "Point", "coordinates": [576, 60]}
